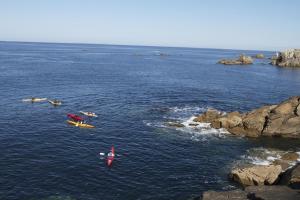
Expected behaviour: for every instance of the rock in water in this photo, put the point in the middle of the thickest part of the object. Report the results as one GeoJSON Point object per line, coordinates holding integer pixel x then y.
{"type": "Point", "coordinates": [242, 60]}
{"type": "Point", "coordinates": [291, 156]}
{"type": "Point", "coordinates": [256, 175]}
{"type": "Point", "coordinates": [175, 124]}
{"type": "Point", "coordinates": [208, 116]}
{"type": "Point", "coordinates": [259, 56]}
{"type": "Point", "coordinates": [288, 58]}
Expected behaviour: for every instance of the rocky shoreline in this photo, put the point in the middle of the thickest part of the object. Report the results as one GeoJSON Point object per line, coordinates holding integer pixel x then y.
{"type": "Point", "coordinates": [279, 179]}
{"type": "Point", "coordinates": [287, 58]}
{"type": "Point", "coordinates": [281, 120]}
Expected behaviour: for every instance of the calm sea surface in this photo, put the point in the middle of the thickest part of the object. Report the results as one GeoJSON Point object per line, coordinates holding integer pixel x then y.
{"type": "Point", "coordinates": [134, 90]}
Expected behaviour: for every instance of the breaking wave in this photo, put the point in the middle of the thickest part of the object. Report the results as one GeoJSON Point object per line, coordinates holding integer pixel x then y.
{"type": "Point", "coordinates": [182, 119]}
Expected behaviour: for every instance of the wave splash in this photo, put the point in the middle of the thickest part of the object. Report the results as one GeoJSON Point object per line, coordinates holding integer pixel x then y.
{"type": "Point", "coordinates": [182, 119]}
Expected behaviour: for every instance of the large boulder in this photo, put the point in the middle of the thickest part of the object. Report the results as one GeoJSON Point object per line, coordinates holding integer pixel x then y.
{"type": "Point", "coordinates": [228, 121]}
{"type": "Point", "coordinates": [256, 175]}
{"type": "Point", "coordinates": [242, 60]}
{"type": "Point", "coordinates": [254, 121]}
{"type": "Point", "coordinates": [283, 120]}
{"type": "Point", "coordinates": [290, 156]}
{"type": "Point", "coordinates": [288, 58]}
{"type": "Point", "coordinates": [208, 116]}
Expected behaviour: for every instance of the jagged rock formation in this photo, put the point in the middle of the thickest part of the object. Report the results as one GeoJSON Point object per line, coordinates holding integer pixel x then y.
{"type": "Point", "coordinates": [288, 58]}
{"type": "Point", "coordinates": [242, 60]}
{"type": "Point", "coordinates": [274, 120]}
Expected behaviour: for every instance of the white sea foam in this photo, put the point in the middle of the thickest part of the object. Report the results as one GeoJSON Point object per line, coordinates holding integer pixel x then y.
{"type": "Point", "coordinates": [188, 109]}
{"type": "Point", "coordinates": [185, 116]}
{"type": "Point", "coordinates": [263, 156]}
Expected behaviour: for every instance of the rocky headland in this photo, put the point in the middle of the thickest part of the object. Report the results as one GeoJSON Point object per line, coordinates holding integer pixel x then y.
{"type": "Point", "coordinates": [288, 58]}
{"type": "Point", "coordinates": [278, 179]}
{"type": "Point", "coordinates": [281, 120]}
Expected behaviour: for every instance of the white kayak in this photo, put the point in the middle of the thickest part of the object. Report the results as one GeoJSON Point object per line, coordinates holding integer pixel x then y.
{"type": "Point", "coordinates": [55, 102]}
{"type": "Point", "coordinates": [89, 114]}
{"type": "Point", "coordinates": [34, 99]}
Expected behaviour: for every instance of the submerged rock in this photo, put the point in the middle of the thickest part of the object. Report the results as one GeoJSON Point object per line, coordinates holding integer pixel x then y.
{"type": "Point", "coordinates": [242, 60]}
{"type": "Point", "coordinates": [175, 124]}
{"type": "Point", "coordinates": [256, 175]}
{"type": "Point", "coordinates": [274, 120]}
{"type": "Point", "coordinates": [260, 56]}
{"type": "Point", "coordinates": [288, 58]}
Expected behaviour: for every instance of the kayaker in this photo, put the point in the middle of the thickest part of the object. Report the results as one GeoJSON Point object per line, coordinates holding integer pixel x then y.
{"type": "Point", "coordinates": [110, 154]}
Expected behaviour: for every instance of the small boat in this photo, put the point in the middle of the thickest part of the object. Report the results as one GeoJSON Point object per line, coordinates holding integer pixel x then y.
{"type": "Point", "coordinates": [89, 114]}
{"type": "Point", "coordinates": [110, 157]}
{"type": "Point", "coordinates": [80, 124]}
{"type": "Point", "coordinates": [75, 117]}
{"type": "Point", "coordinates": [33, 99]}
{"type": "Point", "coordinates": [55, 102]}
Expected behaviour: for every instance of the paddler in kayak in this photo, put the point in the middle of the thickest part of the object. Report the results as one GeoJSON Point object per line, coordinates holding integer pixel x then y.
{"type": "Point", "coordinates": [110, 156]}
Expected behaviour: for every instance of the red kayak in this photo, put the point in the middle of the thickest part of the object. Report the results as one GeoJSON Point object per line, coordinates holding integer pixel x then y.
{"type": "Point", "coordinates": [110, 156]}
{"type": "Point", "coordinates": [75, 117]}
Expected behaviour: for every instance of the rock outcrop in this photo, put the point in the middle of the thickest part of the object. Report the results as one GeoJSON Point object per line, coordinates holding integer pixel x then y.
{"type": "Point", "coordinates": [255, 193]}
{"type": "Point", "coordinates": [290, 156]}
{"type": "Point", "coordinates": [291, 177]}
{"type": "Point", "coordinates": [274, 120]}
{"type": "Point", "coordinates": [288, 58]}
{"type": "Point", "coordinates": [242, 60]}
{"type": "Point", "coordinates": [256, 175]}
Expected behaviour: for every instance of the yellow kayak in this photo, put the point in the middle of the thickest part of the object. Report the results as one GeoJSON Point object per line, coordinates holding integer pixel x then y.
{"type": "Point", "coordinates": [79, 124]}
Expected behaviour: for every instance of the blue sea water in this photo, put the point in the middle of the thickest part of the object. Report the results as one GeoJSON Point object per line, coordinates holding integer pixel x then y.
{"type": "Point", "coordinates": [134, 90]}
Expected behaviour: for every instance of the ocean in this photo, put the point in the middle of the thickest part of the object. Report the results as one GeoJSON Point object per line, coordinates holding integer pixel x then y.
{"type": "Point", "coordinates": [135, 91]}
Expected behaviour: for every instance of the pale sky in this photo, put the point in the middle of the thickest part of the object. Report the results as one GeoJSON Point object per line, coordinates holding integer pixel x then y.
{"type": "Point", "coordinates": [231, 24]}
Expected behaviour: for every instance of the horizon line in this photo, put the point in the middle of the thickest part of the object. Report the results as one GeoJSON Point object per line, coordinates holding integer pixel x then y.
{"type": "Point", "coordinates": [134, 45]}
